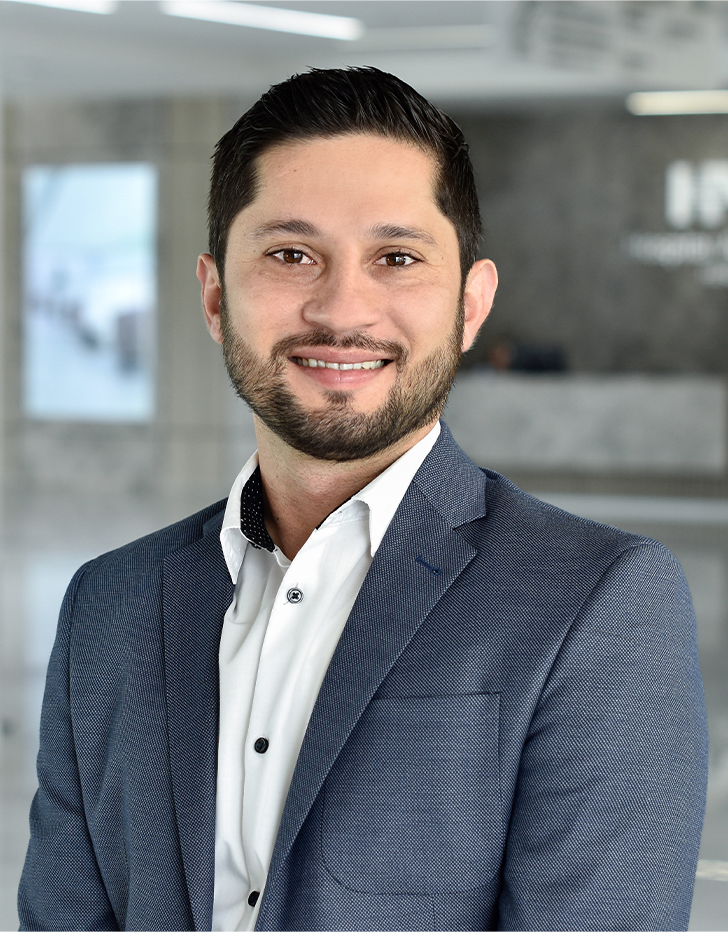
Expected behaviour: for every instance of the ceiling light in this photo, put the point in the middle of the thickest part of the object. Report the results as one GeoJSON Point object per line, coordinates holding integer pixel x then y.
{"type": "Point", "coordinates": [79, 6]}
{"type": "Point", "coordinates": [267, 17]}
{"type": "Point", "coordinates": [655, 103]}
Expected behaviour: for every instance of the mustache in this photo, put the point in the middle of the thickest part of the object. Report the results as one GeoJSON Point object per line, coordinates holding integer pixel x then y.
{"type": "Point", "coordinates": [312, 338]}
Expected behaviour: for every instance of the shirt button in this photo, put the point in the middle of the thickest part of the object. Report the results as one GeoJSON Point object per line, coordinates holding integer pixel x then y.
{"type": "Point", "coordinates": [253, 898]}
{"type": "Point", "coordinates": [294, 596]}
{"type": "Point", "coordinates": [261, 746]}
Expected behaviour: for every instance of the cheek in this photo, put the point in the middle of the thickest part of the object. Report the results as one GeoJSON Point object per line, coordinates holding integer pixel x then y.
{"type": "Point", "coordinates": [260, 310]}
{"type": "Point", "coordinates": [427, 319]}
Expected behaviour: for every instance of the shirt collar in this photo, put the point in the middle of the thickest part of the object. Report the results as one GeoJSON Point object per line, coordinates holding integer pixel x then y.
{"type": "Point", "coordinates": [382, 496]}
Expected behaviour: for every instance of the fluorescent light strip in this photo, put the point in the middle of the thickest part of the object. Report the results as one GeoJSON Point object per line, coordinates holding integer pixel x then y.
{"type": "Point", "coordinates": [712, 870]}
{"type": "Point", "coordinates": [267, 17]}
{"type": "Point", "coordinates": [663, 103]}
{"type": "Point", "coordinates": [78, 6]}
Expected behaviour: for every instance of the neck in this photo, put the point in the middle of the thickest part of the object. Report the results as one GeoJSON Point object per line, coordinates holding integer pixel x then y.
{"type": "Point", "coordinates": [301, 491]}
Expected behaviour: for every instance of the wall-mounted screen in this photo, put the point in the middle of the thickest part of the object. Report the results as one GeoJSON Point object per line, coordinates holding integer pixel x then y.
{"type": "Point", "coordinates": [89, 291]}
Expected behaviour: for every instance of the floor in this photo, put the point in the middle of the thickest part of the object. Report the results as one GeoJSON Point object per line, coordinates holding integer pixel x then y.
{"type": "Point", "coordinates": [42, 542]}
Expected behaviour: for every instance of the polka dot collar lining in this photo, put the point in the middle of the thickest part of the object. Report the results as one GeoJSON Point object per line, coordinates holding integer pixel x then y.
{"type": "Point", "coordinates": [252, 523]}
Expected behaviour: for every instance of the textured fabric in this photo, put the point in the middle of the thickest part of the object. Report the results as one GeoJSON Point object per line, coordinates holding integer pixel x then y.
{"type": "Point", "coordinates": [510, 734]}
{"type": "Point", "coordinates": [252, 519]}
{"type": "Point", "coordinates": [278, 637]}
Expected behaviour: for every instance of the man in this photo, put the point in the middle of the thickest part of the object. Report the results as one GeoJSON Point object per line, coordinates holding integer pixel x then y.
{"type": "Point", "coordinates": [378, 688]}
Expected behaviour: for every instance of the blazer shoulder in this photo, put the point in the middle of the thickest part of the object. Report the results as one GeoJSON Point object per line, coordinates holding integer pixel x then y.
{"type": "Point", "coordinates": [516, 531]}
{"type": "Point", "coordinates": [547, 532]}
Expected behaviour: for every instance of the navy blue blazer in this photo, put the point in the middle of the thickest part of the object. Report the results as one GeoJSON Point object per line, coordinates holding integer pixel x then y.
{"type": "Point", "coordinates": [511, 733]}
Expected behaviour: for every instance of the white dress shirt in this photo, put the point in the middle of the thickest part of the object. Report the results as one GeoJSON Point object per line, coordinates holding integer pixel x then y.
{"type": "Point", "coordinates": [278, 637]}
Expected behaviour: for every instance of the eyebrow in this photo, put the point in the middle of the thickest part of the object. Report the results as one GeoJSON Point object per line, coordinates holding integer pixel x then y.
{"type": "Point", "coordinates": [295, 227]}
{"type": "Point", "coordinates": [390, 231]}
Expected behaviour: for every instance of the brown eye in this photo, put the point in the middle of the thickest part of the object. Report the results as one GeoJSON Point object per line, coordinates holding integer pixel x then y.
{"type": "Point", "coordinates": [292, 256]}
{"type": "Point", "coordinates": [397, 259]}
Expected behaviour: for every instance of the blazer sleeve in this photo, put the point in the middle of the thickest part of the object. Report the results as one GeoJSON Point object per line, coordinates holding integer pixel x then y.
{"type": "Point", "coordinates": [610, 796]}
{"type": "Point", "coordinates": [61, 886]}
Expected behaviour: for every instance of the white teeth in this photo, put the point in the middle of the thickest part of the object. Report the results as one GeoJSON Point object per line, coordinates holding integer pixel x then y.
{"type": "Point", "coordinates": [314, 363]}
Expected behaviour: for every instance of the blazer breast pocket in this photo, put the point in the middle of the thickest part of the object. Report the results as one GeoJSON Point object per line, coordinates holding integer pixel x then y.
{"type": "Point", "coordinates": [412, 805]}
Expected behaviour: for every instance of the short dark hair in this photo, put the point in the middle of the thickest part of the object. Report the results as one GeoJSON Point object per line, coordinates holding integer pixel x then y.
{"type": "Point", "coordinates": [335, 102]}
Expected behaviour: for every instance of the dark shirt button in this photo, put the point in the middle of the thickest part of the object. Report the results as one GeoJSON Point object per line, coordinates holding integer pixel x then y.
{"type": "Point", "coordinates": [261, 746]}
{"type": "Point", "coordinates": [294, 595]}
{"type": "Point", "coordinates": [253, 898]}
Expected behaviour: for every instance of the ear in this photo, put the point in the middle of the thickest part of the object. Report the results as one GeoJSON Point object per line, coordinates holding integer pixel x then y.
{"type": "Point", "coordinates": [211, 293]}
{"type": "Point", "coordinates": [480, 287]}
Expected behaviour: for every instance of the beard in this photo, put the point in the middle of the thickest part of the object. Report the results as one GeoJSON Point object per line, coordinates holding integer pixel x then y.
{"type": "Point", "coordinates": [336, 431]}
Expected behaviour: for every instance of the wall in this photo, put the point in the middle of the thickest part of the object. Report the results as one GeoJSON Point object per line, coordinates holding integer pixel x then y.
{"type": "Point", "coordinates": [561, 192]}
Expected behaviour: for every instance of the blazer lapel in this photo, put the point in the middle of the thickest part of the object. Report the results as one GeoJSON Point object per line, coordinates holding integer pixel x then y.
{"type": "Point", "coordinates": [419, 558]}
{"type": "Point", "coordinates": [197, 592]}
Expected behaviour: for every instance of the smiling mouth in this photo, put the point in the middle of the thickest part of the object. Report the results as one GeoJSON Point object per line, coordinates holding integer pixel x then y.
{"type": "Point", "coordinates": [322, 364]}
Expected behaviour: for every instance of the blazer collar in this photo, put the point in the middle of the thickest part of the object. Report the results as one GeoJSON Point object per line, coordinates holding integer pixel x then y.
{"type": "Point", "coordinates": [197, 591]}
{"type": "Point", "coordinates": [420, 557]}
{"type": "Point", "coordinates": [452, 483]}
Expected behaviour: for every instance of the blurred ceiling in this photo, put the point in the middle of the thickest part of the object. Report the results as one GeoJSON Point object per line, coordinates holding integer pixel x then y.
{"type": "Point", "coordinates": [462, 51]}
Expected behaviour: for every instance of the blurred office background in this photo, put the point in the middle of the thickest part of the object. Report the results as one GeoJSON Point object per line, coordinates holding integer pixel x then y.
{"type": "Point", "coordinates": [600, 381]}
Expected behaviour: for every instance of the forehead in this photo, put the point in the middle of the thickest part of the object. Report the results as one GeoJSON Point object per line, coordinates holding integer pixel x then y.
{"type": "Point", "coordinates": [354, 171]}
{"type": "Point", "coordinates": [360, 145]}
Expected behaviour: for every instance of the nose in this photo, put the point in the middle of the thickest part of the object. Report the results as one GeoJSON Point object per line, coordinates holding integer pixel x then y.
{"type": "Point", "coordinates": [346, 300]}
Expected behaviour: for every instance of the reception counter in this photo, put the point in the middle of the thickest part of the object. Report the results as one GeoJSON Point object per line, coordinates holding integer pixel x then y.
{"type": "Point", "coordinates": [591, 423]}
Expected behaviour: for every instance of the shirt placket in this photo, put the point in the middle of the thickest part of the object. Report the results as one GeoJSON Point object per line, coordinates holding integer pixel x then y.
{"type": "Point", "coordinates": [266, 756]}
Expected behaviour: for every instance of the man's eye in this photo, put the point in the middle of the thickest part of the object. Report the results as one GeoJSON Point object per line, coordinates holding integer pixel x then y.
{"type": "Point", "coordinates": [292, 257]}
{"type": "Point", "coordinates": [397, 259]}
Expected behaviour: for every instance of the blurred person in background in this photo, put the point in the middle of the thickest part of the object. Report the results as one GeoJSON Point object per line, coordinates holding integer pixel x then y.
{"type": "Point", "coordinates": [378, 687]}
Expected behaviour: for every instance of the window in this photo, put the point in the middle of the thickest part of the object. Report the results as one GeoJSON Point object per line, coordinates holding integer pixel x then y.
{"type": "Point", "coordinates": [89, 291]}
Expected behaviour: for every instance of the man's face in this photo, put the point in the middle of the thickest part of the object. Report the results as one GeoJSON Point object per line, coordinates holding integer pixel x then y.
{"type": "Point", "coordinates": [342, 317]}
